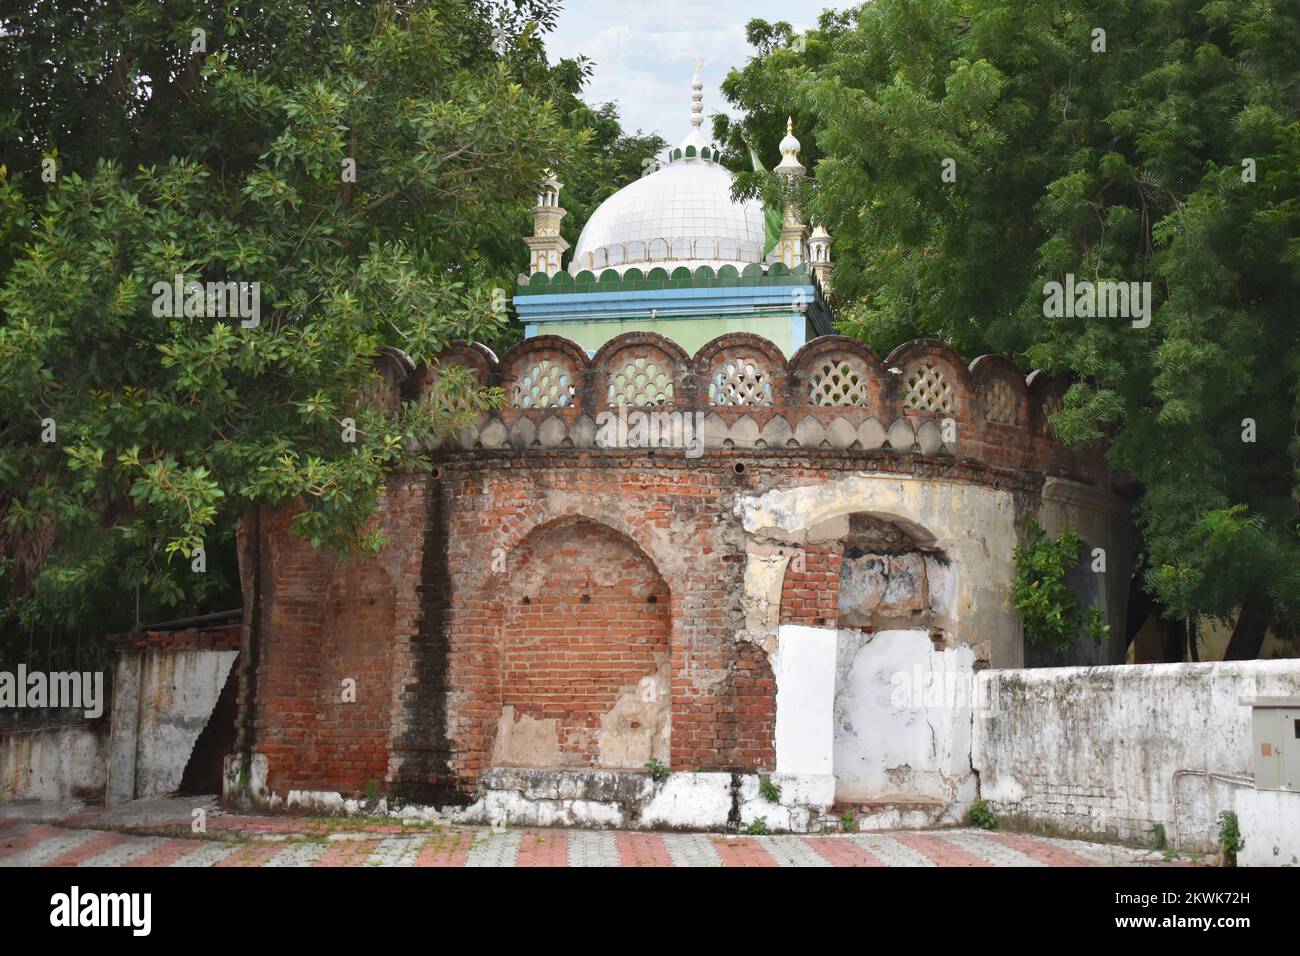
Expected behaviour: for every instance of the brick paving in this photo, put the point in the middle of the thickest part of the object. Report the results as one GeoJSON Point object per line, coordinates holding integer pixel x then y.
{"type": "Point", "coordinates": [159, 833]}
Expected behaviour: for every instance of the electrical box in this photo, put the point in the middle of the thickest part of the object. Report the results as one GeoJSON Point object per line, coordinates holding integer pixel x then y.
{"type": "Point", "coordinates": [1275, 732]}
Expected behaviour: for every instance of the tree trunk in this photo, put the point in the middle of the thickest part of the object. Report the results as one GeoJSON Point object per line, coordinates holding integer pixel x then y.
{"type": "Point", "coordinates": [1140, 607]}
{"type": "Point", "coordinates": [1175, 644]}
{"type": "Point", "coordinates": [1252, 626]}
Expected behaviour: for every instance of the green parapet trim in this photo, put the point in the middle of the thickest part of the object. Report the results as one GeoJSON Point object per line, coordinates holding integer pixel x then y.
{"type": "Point", "coordinates": [682, 277]}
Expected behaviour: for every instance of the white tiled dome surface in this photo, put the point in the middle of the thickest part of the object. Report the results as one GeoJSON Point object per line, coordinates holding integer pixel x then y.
{"type": "Point", "coordinates": [680, 215]}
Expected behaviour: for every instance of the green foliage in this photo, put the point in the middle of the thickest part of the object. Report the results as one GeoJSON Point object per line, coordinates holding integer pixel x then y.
{"type": "Point", "coordinates": [757, 827]}
{"type": "Point", "coordinates": [770, 791]}
{"type": "Point", "coordinates": [849, 822]}
{"type": "Point", "coordinates": [1158, 837]}
{"type": "Point", "coordinates": [1051, 614]}
{"type": "Point", "coordinates": [1124, 164]}
{"type": "Point", "coordinates": [1229, 836]}
{"type": "Point", "coordinates": [981, 816]}
{"type": "Point", "coordinates": [228, 165]}
{"type": "Point", "coordinates": [658, 771]}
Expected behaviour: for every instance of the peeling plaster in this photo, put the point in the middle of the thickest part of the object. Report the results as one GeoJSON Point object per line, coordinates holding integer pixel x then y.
{"type": "Point", "coordinates": [974, 525]}
{"type": "Point", "coordinates": [638, 727]}
{"type": "Point", "coordinates": [525, 742]}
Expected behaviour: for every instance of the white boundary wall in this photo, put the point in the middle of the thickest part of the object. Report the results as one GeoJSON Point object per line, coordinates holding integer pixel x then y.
{"type": "Point", "coordinates": [1114, 751]}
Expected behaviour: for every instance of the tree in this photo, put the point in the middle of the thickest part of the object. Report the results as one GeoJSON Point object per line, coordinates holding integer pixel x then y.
{"type": "Point", "coordinates": [1163, 149]}
{"type": "Point", "coordinates": [134, 431]}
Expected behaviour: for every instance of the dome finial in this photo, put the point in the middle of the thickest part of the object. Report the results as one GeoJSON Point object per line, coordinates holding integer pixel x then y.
{"type": "Point", "coordinates": [790, 165]}
{"type": "Point", "coordinates": [697, 95]}
{"type": "Point", "coordinates": [696, 145]}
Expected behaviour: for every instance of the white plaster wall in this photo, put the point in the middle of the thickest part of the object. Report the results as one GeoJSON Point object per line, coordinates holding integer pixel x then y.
{"type": "Point", "coordinates": [161, 702]}
{"type": "Point", "coordinates": [804, 670]}
{"type": "Point", "coordinates": [56, 763]}
{"type": "Point", "coordinates": [902, 718]}
{"type": "Point", "coordinates": [1269, 821]}
{"type": "Point", "coordinates": [1113, 751]}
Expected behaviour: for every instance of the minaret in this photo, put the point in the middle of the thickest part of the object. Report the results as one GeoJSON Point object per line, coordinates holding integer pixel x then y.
{"type": "Point", "coordinates": [790, 248]}
{"type": "Point", "coordinates": [819, 253]}
{"type": "Point", "coordinates": [546, 244]}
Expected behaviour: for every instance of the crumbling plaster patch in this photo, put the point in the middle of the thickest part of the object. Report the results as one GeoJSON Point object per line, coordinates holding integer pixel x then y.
{"type": "Point", "coordinates": [638, 727]}
{"type": "Point", "coordinates": [974, 525]}
{"type": "Point", "coordinates": [525, 741]}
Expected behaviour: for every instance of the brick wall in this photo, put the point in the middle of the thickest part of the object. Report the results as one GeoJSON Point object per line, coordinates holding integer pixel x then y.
{"type": "Point", "coordinates": [586, 621]}
{"type": "Point", "coordinates": [810, 593]}
{"type": "Point", "coordinates": [324, 620]}
{"type": "Point", "coordinates": [528, 504]}
{"type": "Point", "coordinates": [647, 531]}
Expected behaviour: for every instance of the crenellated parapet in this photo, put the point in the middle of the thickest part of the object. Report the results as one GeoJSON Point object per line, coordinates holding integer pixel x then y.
{"type": "Point", "coordinates": [739, 393]}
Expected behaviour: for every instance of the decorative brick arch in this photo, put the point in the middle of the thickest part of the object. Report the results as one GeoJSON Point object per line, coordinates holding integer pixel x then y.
{"type": "Point", "coordinates": [931, 380]}
{"type": "Point", "coordinates": [543, 372]}
{"type": "Point", "coordinates": [835, 371]}
{"type": "Point", "coordinates": [542, 513]}
{"type": "Point", "coordinates": [1002, 396]}
{"type": "Point", "coordinates": [641, 369]}
{"type": "Point", "coordinates": [574, 640]}
{"type": "Point", "coordinates": [741, 369]}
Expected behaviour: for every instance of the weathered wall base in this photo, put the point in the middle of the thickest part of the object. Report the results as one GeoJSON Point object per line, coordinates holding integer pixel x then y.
{"type": "Point", "coordinates": [683, 801]}
{"type": "Point", "coordinates": [582, 798]}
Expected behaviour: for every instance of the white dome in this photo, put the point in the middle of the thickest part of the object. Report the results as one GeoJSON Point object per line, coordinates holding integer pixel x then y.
{"type": "Point", "coordinates": [681, 214]}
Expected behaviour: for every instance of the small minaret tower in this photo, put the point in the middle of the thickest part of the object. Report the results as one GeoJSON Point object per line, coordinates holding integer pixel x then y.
{"type": "Point", "coordinates": [790, 248]}
{"type": "Point", "coordinates": [819, 254]}
{"type": "Point", "coordinates": [546, 245]}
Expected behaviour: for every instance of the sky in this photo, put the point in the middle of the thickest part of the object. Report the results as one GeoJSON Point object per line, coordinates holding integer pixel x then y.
{"type": "Point", "coordinates": [643, 51]}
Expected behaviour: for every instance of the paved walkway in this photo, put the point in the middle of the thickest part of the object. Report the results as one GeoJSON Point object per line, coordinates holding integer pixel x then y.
{"type": "Point", "coordinates": [160, 833]}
